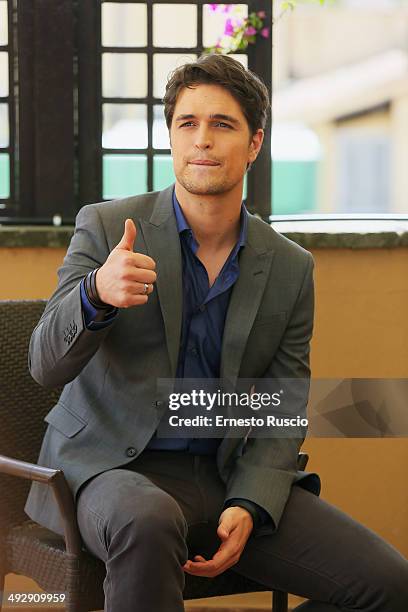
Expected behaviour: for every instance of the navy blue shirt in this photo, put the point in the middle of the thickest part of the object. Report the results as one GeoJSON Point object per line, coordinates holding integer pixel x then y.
{"type": "Point", "coordinates": [203, 319]}
{"type": "Point", "coordinates": [204, 312]}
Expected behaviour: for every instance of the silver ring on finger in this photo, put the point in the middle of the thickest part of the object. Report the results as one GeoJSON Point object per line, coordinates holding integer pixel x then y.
{"type": "Point", "coordinates": [146, 288]}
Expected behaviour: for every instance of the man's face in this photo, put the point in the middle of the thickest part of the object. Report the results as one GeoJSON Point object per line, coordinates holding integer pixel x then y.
{"type": "Point", "coordinates": [209, 127]}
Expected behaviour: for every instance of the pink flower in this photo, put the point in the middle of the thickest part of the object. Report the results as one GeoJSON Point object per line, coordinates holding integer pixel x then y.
{"type": "Point", "coordinates": [265, 32]}
{"type": "Point", "coordinates": [212, 7]}
{"type": "Point", "coordinates": [261, 14]}
{"type": "Point", "coordinates": [229, 28]}
{"type": "Point", "coordinates": [227, 8]}
{"type": "Point", "coordinates": [250, 31]}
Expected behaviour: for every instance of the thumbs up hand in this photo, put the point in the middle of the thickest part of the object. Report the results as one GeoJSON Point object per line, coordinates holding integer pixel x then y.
{"type": "Point", "coordinates": [129, 236]}
{"type": "Point", "coordinates": [122, 279]}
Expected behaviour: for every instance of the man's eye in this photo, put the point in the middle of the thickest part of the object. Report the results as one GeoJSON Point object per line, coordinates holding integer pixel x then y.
{"type": "Point", "coordinates": [220, 123]}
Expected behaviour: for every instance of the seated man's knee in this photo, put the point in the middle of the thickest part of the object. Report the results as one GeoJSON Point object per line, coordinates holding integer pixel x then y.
{"type": "Point", "coordinates": [150, 516]}
{"type": "Point", "coordinates": [134, 512]}
{"type": "Point", "coordinates": [157, 516]}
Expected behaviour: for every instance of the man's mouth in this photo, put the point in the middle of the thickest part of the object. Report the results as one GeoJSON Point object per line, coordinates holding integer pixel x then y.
{"type": "Point", "coordinates": [203, 162]}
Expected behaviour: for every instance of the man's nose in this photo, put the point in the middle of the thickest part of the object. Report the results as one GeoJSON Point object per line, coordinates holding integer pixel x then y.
{"type": "Point", "coordinates": [203, 138]}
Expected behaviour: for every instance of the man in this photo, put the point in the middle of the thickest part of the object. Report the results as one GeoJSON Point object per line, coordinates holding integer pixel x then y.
{"type": "Point", "coordinates": [184, 283]}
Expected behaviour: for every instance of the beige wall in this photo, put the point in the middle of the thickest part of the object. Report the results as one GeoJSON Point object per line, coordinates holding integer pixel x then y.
{"type": "Point", "coordinates": [391, 124]}
{"type": "Point", "coordinates": [361, 330]}
{"type": "Point", "coordinates": [312, 39]}
{"type": "Point", "coordinates": [28, 273]}
{"type": "Point", "coordinates": [361, 323]}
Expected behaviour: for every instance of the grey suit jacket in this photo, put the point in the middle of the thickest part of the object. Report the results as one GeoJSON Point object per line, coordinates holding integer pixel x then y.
{"type": "Point", "coordinates": [111, 401]}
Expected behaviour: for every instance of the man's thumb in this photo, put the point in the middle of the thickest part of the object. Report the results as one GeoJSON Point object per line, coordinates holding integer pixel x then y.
{"type": "Point", "coordinates": [129, 236]}
{"type": "Point", "coordinates": [222, 531]}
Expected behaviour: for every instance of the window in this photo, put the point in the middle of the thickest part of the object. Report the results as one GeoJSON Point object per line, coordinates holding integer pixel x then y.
{"type": "Point", "coordinates": [351, 98]}
{"type": "Point", "coordinates": [7, 126]}
{"type": "Point", "coordinates": [81, 117]}
{"type": "Point", "coordinates": [363, 156]}
{"type": "Point", "coordinates": [128, 150]}
{"type": "Point", "coordinates": [41, 118]}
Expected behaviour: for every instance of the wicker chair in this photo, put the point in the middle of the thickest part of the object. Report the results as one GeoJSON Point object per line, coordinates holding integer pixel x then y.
{"type": "Point", "coordinates": [57, 564]}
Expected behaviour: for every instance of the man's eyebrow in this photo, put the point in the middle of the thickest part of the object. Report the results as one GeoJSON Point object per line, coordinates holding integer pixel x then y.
{"type": "Point", "coordinates": [183, 117]}
{"type": "Point", "coordinates": [214, 116]}
{"type": "Point", "coordinates": [225, 118]}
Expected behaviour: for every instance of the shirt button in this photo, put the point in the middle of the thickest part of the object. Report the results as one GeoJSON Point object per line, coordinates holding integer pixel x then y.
{"type": "Point", "coordinates": [131, 451]}
{"type": "Point", "coordinates": [202, 308]}
{"type": "Point", "coordinates": [159, 403]}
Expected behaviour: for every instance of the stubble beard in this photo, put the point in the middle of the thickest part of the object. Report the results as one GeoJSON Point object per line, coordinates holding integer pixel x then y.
{"type": "Point", "coordinates": [210, 186]}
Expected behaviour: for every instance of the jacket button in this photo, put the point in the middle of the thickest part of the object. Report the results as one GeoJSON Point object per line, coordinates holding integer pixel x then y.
{"type": "Point", "coordinates": [131, 451]}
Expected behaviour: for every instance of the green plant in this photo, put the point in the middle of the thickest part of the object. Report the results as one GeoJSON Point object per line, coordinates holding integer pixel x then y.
{"type": "Point", "coordinates": [240, 31]}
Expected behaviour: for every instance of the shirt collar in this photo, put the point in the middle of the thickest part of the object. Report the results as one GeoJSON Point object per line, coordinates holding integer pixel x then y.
{"type": "Point", "coordinates": [183, 225]}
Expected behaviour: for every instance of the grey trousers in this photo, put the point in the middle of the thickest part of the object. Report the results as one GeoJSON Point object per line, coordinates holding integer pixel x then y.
{"type": "Point", "coordinates": [146, 519]}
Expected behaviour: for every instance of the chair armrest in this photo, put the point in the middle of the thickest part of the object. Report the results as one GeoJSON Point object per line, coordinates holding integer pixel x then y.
{"type": "Point", "coordinates": [23, 469]}
{"type": "Point", "coordinates": [303, 458]}
{"type": "Point", "coordinates": [62, 493]}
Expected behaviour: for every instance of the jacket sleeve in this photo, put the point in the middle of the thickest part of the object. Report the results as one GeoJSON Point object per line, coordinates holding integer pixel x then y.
{"type": "Point", "coordinates": [60, 344]}
{"type": "Point", "coordinates": [266, 470]}
{"type": "Point", "coordinates": [259, 515]}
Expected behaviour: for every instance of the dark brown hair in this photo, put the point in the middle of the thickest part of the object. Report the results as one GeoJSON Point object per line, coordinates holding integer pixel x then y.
{"type": "Point", "coordinates": [218, 69]}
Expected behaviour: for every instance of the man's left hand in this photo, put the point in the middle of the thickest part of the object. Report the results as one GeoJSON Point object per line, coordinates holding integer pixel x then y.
{"type": "Point", "coordinates": [234, 528]}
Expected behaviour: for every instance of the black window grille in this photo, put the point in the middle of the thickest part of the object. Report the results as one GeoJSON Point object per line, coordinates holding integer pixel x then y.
{"type": "Point", "coordinates": [7, 106]}
{"type": "Point", "coordinates": [60, 106]}
{"type": "Point", "coordinates": [42, 128]}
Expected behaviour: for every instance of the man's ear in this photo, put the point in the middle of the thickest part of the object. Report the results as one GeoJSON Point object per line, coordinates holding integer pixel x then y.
{"type": "Point", "coordinates": [255, 145]}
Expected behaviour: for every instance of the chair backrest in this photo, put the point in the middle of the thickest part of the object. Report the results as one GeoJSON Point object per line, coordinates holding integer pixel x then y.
{"type": "Point", "coordinates": [23, 403]}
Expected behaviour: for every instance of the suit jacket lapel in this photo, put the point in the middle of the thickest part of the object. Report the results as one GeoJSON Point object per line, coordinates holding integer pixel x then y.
{"type": "Point", "coordinates": [254, 265]}
{"type": "Point", "coordinates": [162, 240]}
